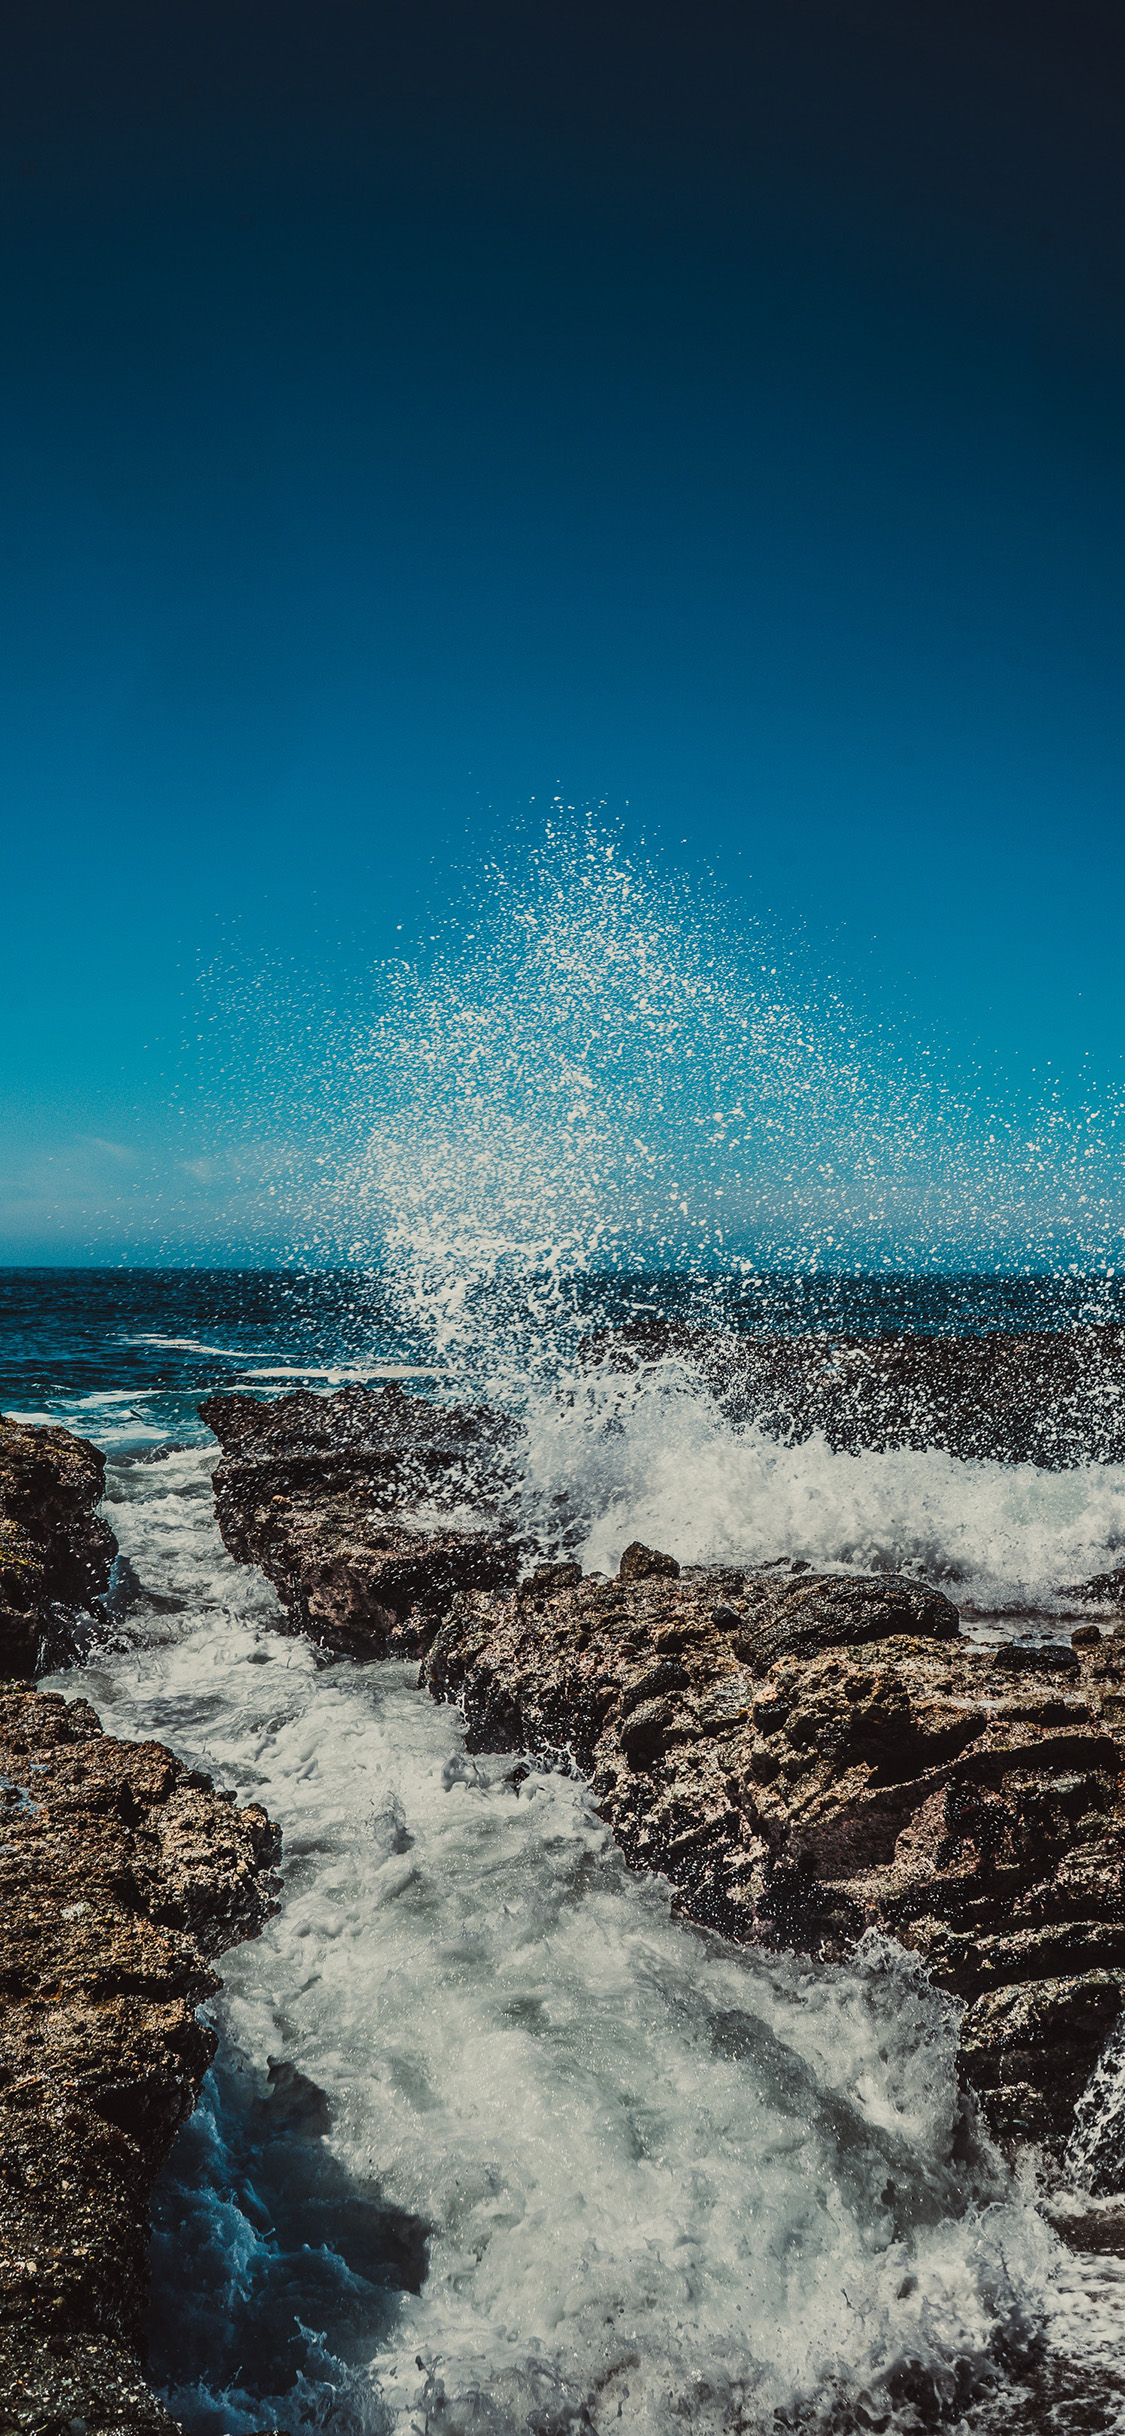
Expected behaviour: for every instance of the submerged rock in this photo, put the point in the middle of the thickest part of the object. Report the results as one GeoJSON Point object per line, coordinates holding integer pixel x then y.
{"type": "Point", "coordinates": [310, 1489]}
{"type": "Point", "coordinates": [1050, 1397]}
{"type": "Point", "coordinates": [55, 1550]}
{"type": "Point", "coordinates": [122, 1873]}
{"type": "Point", "coordinates": [809, 1757]}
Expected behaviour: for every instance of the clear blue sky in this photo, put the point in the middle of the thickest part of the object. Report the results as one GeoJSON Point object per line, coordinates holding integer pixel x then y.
{"type": "Point", "coordinates": [715, 408]}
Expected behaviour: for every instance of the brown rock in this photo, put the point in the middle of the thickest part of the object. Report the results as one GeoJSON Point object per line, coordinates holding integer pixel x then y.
{"type": "Point", "coordinates": [641, 1564]}
{"type": "Point", "coordinates": [55, 1551]}
{"type": "Point", "coordinates": [808, 1758]}
{"type": "Point", "coordinates": [310, 1488]}
{"type": "Point", "coordinates": [121, 1874]}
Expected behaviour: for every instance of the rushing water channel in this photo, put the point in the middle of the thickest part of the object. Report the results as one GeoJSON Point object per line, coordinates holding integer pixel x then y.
{"type": "Point", "coordinates": [496, 2142]}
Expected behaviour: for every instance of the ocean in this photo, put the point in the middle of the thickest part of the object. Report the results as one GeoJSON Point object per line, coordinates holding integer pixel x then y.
{"type": "Point", "coordinates": [495, 2141]}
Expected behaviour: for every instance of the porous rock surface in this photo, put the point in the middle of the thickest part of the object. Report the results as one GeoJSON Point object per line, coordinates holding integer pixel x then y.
{"type": "Point", "coordinates": [1052, 1397]}
{"type": "Point", "coordinates": [808, 1757]}
{"type": "Point", "coordinates": [55, 1550]}
{"type": "Point", "coordinates": [122, 1873]}
{"type": "Point", "coordinates": [310, 1488]}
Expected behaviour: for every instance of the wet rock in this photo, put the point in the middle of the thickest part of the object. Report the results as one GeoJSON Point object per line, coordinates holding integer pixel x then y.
{"type": "Point", "coordinates": [1029, 2050]}
{"type": "Point", "coordinates": [641, 1564]}
{"type": "Point", "coordinates": [1050, 1397]}
{"type": "Point", "coordinates": [55, 1550]}
{"type": "Point", "coordinates": [1102, 1589]}
{"type": "Point", "coordinates": [1097, 2225]}
{"type": "Point", "coordinates": [398, 1448]}
{"type": "Point", "coordinates": [312, 1489]}
{"type": "Point", "coordinates": [557, 1576]}
{"type": "Point", "coordinates": [809, 1758]}
{"type": "Point", "coordinates": [122, 1874]}
{"type": "Point", "coordinates": [833, 1611]}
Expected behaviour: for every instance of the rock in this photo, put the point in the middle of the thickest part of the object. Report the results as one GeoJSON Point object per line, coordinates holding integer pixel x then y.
{"type": "Point", "coordinates": [122, 1873]}
{"type": "Point", "coordinates": [1030, 2050]}
{"type": "Point", "coordinates": [401, 1448]}
{"type": "Point", "coordinates": [556, 1576]}
{"type": "Point", "coordinates": [1102, 1589]}
{"type": "Point", "coordinates": [310, 1489]}
{"type": "Point", "coordinates": [641, 1564]}
{"type": "Point", "coordinates": [1049, 1397]}
{"type": "Point", "coordinates": [55, 1550]}
{"type": "Point", "coordinates": [1092, 2225]}
{"type": "Point", "coordinates": [809, 1758]}
{"type": "Point", "coordinates": [833, 1611]}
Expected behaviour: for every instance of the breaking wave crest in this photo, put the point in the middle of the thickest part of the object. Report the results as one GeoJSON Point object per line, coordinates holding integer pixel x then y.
{"type": "Point", "coordinates": [657, 1459]}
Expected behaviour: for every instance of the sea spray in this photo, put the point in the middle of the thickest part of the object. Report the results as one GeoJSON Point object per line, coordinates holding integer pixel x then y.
{"type": "Point", "coordinates": [587, 1061]}
{"type": "Point", "coordinates": [664, 2183]}
{"type": "Point", "coordinates": [597, 1069]}
{"type": "Point", "coordinates": [653, 1456]}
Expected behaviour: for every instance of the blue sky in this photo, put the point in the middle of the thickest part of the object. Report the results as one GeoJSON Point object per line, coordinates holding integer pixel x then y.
{"type": "Point", "coordinates": [415, 413]}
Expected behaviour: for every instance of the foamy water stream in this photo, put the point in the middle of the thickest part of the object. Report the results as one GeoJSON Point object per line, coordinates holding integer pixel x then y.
{"type": "Point", "coordinates": [498, 2144]}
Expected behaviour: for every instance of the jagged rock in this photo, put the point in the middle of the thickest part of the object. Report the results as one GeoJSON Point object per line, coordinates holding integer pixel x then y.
{"type": "Point", "coordinates": [122, 1873]}
{"type": "Point", "coordinates": [55, 1550]}
{"type": "Point", "coordinates": [1050, 1397]}
{"type": "Point", "coordinates": [639, 1563]}
{"type": "Point", "coordinates": [399, 1448]}
{"type": "Point", "coordinates": [309, 1487]}
{"type": "Point", "coordinates": [809, 1758]}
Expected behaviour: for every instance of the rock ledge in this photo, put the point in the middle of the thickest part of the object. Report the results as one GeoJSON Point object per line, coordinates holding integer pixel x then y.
{"type": "Point", "coordinates": [122, 1873]}
{"type": "Point", "coordinates": [55, 1551]}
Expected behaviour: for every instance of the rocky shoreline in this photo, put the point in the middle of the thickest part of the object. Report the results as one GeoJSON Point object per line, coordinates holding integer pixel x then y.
{"type": "Point", "coordinates": [123, 1874]}
{"type": "Point", "coordinates": [809, 1760]}
{"type": "Point", "coordinates": [805, 1757]}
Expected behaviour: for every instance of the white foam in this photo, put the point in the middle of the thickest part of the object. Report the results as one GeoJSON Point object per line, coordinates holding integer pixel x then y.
{"type": "Point", "coordinates": [340, 1376]}
{"type": "Point", "coordinates": [655, 1459]}
{"type": "Point", "coordinates": [188, 1344]}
